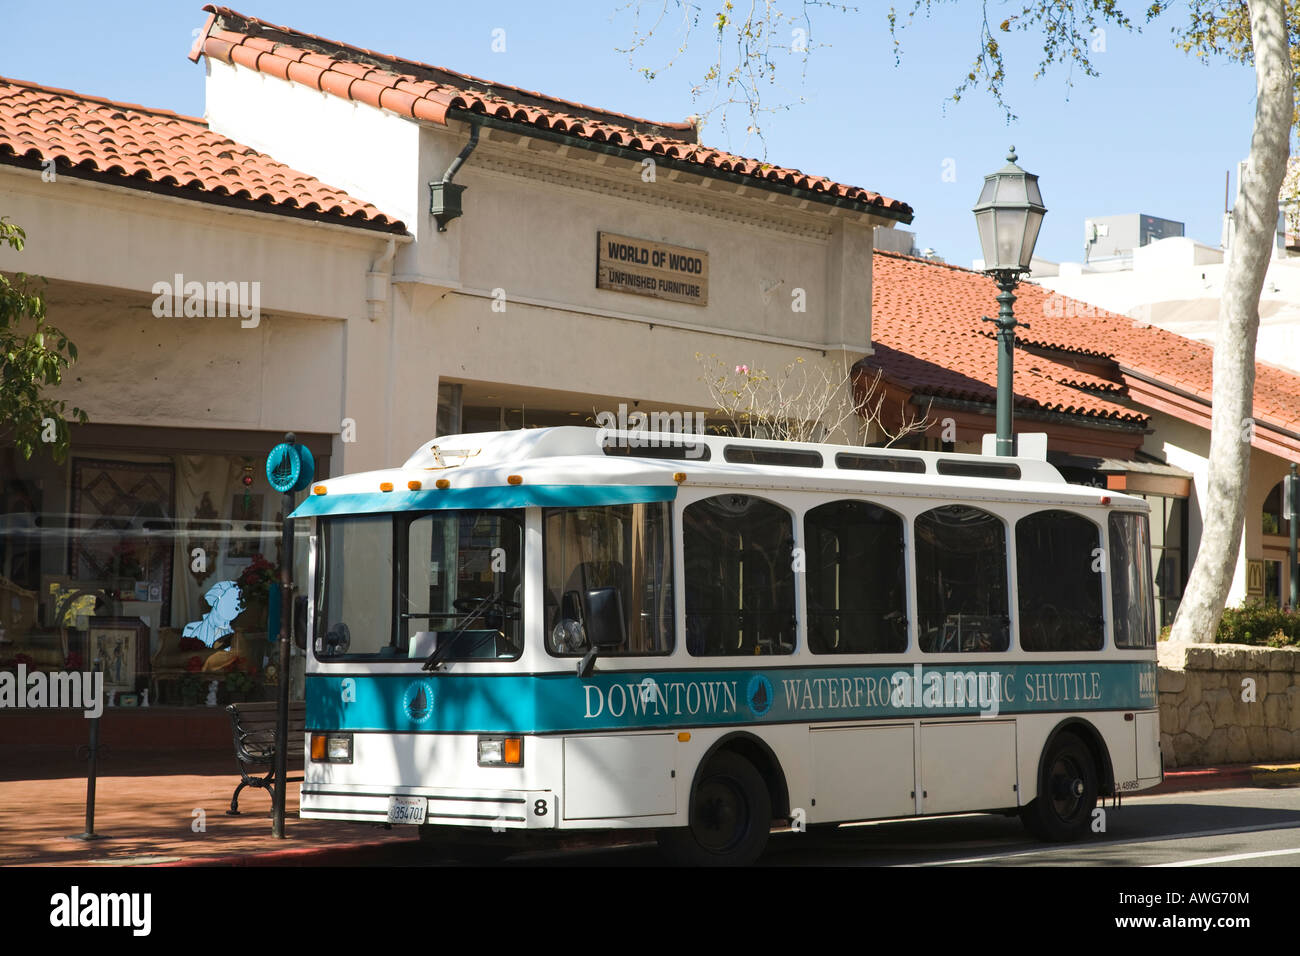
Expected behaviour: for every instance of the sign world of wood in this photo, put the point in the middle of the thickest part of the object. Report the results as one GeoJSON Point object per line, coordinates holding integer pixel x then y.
{"type": "Point", "coordinates": [642, 267]}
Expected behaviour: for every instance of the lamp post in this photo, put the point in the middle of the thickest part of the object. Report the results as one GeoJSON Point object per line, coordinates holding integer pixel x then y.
{"type": "Point", "coordinates": [1008, 214]}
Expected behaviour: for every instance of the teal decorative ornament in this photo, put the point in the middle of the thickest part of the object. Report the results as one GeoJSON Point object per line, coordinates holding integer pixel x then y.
{"type": "Point", "coordinates": [290, 467]}
{"type": "Point", "coordinates": [307, 473]}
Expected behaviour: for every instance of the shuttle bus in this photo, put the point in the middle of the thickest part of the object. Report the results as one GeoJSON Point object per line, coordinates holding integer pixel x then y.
{"type": "Point", "coordinates": [520, 635]}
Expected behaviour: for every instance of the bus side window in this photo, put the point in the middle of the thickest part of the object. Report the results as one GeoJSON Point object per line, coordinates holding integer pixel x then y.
{"type": "Point", "coordinates": [961, 581]}
{"type": "Point", "coordinates": [857, 593]}
{"type": "Point", "coordinates": [739, 571]}
{"type": "Point", "coordinates": [1058, 570]}
{"type": "Point", "coordinates": [1131, 596]}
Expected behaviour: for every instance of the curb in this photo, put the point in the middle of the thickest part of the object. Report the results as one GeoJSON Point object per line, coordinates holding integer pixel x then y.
{"type": "Point", "coordinates": [1229, 777]}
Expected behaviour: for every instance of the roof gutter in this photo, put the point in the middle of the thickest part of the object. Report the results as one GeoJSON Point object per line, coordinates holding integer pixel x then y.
{"type": "Point", "coordinates": [1034, 414]}
{"type": "Point", "coordinates": [672, 162]}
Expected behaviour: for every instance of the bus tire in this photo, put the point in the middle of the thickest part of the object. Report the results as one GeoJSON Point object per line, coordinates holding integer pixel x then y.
{"type": "Point", "coordinates": [730, 816]}
{"type": "Point", "coordinates": [1067, 792]}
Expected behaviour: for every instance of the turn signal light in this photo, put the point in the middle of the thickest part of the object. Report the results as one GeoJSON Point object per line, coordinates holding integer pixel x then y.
{"type": "Point", "coordinates": [442, 483]}
{"type": "Point", "coordinates": [414, 485]}
{"type": "Point", "coordinates": [331, 748]}
{"type": "Point", "coordinates": [515, 479]}
{"type": "Point", "coordinates": [318, 490]}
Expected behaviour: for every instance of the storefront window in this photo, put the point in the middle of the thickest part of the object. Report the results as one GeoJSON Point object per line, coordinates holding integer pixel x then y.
{"type": "Point", "coordinates": [161, 568]}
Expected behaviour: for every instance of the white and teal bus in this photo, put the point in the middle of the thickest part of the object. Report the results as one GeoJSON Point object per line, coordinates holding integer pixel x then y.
{"type": "Point", "coordinates": [524, 634]}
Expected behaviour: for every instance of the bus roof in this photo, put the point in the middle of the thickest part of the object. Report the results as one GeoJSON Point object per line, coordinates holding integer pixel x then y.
{"type": "Point", "coordinates": [571, 465]}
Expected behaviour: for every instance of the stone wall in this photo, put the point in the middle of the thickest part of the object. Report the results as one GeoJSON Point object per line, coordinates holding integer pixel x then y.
{"type": "Point", "coordinates": [1211, 714]}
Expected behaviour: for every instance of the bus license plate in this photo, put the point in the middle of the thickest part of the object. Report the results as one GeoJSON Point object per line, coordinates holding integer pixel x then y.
{"type": "Point", "coordinates": [407, 809]}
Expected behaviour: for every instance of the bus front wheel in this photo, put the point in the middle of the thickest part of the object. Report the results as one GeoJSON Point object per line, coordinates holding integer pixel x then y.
{"type": "Point", "coordinates": [730, 817]}
{"type": "Point", "coordinates": [1067, 793]}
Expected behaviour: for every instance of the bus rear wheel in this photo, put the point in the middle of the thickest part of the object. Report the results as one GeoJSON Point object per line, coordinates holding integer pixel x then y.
{"type": "Point", "coordinates": [1067, 793]}
{"type": "Point", "coordinates": [730, 817]}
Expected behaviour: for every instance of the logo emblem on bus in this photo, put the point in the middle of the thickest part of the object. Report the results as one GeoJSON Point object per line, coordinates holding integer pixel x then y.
{"type": "Point", "coordinates": [418, 701]}
{"type": "Point", "coordinates": [759, 695]}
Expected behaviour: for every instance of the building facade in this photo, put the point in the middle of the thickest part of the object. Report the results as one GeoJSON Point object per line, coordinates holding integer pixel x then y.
{"type": "Point", "coordinates": [349, 291]}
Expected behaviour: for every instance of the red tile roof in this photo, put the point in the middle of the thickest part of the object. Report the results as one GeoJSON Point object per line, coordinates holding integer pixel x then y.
{"type": "Point", "coordinates": [136, 146]}
{"type": "Point", "coordinates": [423, 92]}
{"type": "Point", "coordinates": [929, 337]}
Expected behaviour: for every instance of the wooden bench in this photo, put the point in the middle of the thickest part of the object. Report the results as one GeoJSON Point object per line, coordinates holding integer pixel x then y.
{"type": "Point", "coordinates": [253, 725]}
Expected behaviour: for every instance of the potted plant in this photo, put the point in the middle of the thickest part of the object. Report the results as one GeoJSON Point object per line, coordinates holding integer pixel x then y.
{"type": "Point", "coordinates": [190, 686]}
{"type": "Point", "coordinates": [255, 583]}
{"type": "Point", "coordinates": [238, 685]}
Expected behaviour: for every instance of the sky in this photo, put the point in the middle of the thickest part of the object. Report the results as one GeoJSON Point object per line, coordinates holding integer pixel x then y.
{"type": "Point", "coordinates": [1154, 133]}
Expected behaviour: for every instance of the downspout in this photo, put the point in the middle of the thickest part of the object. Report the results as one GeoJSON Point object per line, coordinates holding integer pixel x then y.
{"type": "Point", "coordinates": [377, 282]}
{"type": "Point", "coordinates": [444, 195]}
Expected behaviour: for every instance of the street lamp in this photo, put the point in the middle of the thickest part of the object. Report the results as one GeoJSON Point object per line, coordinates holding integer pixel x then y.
{"type": "Point", "coordinates": [1009, 214]}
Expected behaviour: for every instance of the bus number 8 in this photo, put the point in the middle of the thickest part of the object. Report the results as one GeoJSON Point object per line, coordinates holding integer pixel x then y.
{"type": "Point", "coordinates": [539, 808]}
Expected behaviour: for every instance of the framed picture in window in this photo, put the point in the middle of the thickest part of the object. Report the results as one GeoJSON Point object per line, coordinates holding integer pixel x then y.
{"type": "Point", "coordinates": [246, 517]}
{"type": "Point", "coordinates": [120, 645]}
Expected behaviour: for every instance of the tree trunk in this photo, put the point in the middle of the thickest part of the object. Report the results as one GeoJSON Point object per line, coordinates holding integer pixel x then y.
{"type": "Point", "coordinates": [1255, 223]}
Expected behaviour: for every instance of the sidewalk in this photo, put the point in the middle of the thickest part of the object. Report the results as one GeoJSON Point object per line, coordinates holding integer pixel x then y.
{"type": "Point", "coordinates": [145, 812]}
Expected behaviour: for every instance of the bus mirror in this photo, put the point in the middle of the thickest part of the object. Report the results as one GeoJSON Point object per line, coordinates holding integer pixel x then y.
{"type": "Point", "coordinates": [300, 621]}
{"type": "Point", "coordinates": [604, 618]}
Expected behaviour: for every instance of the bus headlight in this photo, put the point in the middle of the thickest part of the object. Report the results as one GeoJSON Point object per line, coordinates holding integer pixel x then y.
{"type": "Point", "coordinates": [501, 751]}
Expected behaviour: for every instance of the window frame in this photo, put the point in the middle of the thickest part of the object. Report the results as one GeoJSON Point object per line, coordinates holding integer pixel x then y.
{"type": "Point", "coordinates": [399, 526]}
{"type": "Point", "coordinates": [1102, 578]}
{"type": "Point", "coordinates": [907, 584]}
{"type": "Point", "coordinates": [1009, 584]}
{"type": "Point", "coordinates": [798, 591]}
{"type": "Point", "coordinates": [670, 577]}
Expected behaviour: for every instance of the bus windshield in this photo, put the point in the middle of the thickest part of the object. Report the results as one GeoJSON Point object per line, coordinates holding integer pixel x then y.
{"type": "Point", "coordinates": [401, 585]}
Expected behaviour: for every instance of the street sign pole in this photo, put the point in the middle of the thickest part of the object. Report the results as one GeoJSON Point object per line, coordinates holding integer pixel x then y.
{"type": "Point", "coordinates": [282, 709]}
{"type": "Point", "coordinates": [289, 468]}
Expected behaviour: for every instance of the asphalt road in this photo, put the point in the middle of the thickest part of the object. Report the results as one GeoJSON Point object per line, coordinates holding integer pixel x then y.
{"type": "Point", "coordinates": [1246, 827]}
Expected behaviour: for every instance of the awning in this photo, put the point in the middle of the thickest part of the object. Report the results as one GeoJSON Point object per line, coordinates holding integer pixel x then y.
{"type": "Point", "coordinates": [1133, 476]}
{"type": "Point", "coordinates": [507, 496]}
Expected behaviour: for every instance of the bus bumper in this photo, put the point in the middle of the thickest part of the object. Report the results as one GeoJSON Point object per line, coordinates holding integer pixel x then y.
{"type": "Point", "coordinates": [491, 809]}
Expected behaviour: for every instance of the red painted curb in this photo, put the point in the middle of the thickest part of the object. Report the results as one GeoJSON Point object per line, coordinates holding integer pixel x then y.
{"type": "Point", "coordinates": [1206, 778]}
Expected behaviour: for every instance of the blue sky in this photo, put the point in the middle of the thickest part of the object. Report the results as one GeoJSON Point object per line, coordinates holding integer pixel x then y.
{"type": "Point", "coordinates": [1154, 133]}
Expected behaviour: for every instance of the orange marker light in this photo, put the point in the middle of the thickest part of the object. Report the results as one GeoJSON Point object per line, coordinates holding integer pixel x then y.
{"type": "Point", "coordinates": [515, 479]}
{"type": "Point", "coordinates": [513, 751]}
{"type": "Point", "coordinates": [414, 485]}
{"type": "Point", "coordinates": [385, 486]}
{"type": "Point", "coordinates": [442, 483]}
{"type": "Point", "coordinates": [684, 737]}
{"type": "Point", "coordinates": [679, 477]}
{"type": "Point", "coordinates": [318, 747]}
{"type": "Point", "coordinates": [318, 490]}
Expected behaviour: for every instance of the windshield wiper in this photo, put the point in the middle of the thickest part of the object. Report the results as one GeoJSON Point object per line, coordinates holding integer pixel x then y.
{"type": "Point", "coordinates": [434, 660]}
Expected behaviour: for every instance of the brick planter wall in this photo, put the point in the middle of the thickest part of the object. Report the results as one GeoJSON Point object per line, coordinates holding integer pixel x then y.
{"type": "Point", "coordinates": [1205, 721]}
